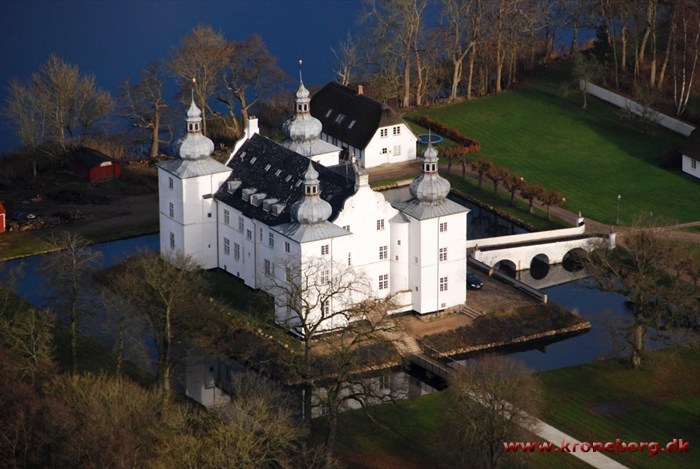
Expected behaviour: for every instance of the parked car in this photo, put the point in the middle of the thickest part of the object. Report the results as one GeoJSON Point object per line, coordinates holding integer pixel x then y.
{"type": "Point", "coordinates": [473, 281]}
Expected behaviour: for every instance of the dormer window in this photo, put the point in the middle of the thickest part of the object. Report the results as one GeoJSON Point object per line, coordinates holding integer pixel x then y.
{"type": "Point", "coordinates": [339, 120]}
{"type": "Point", "coordinates": [311, 189]}
{"type": "Point", "coordinates": [352, 124]}
{"type": "Point", "coordinates": [328, 114]}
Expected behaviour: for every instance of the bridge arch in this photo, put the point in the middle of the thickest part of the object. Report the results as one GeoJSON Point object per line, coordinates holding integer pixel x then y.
{"type": "Point", "coordinates": [573, 261]}
{"type": "Point", "coordinates": [507, 267]}
{"type": "Point", "coordinates": [539, 266]}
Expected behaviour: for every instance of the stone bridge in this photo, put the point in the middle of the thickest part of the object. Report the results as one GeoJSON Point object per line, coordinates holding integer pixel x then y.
{"type": "Point", "coordinates": [525, 251]}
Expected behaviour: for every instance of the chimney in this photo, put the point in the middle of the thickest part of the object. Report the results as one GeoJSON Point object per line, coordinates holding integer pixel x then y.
{"type": "Point", "coordinates": [360, 90]}
{"type": "Point", "coordinates": [252, 127]}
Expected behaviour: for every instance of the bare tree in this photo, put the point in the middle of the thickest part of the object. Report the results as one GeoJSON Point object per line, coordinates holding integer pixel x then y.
{"type": "Point", "coordinates": [144, 105]}
{"type": "Point", "coordinates": [513, 184]}
{"type": "Point", "coordinates": [482, 168]}
{"type": "Point", "coordinates": [57, 105]}
{"type": "Point", "coordinates": [397, 23]}
{"type": "Point", "coordinates": [552, 198]}
{"type": "Point", "coordinates": [250, 72]}
{"type": "Point", "coordinates": [647, 271]}
{"type": "Point", "coordinates": [491, 401]}
{"type": "Point", "coordinates": [168, 293]}
{"type": "Point", "coordinates": [315, 298]}
{"type": "Point", "coordinates": [497, 174]}
{"type": "Point", "coordinates": [460, 31]}
{"type": "Point", "coordinates": [586, 69]}
{"type": "Point", "coordinates": [530, 192]}
{"type": "Point", "coordinates": [69, 273]}
{"type": "Point", "coordinates": [199, 62]}
{"type": "Point", "coordinates": [347, 58]}
{"type": "Point", "coordinates": [685, 51]}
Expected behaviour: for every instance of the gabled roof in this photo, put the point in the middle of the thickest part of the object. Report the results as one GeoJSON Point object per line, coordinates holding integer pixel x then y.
{"type": "Point", "coordinates": [350, 117]}
{"type": "Point", "coordinates": [89, 158]}
{"type": "Point", "coordinates": [691, 147]}
{"type": "Point", "coordinates": [275, 176]}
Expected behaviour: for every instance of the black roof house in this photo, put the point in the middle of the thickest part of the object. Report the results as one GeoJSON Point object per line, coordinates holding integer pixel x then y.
{"type": "Point", "coordinates": [691, 146]}
{"type": "Point", "coordinates": [267, 178]}
{"type": "Point", "coordinates": [349, 116]}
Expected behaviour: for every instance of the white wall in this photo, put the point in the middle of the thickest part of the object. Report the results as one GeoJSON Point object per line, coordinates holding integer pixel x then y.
{"type": "Point", "coordinates": [664, 120]}
{"type": "Point", "coordinates": [526, 237]}
{"type": "Point", "coordinates": [405, 139]}
{"type": "Point", "coordinates": [687, 166]}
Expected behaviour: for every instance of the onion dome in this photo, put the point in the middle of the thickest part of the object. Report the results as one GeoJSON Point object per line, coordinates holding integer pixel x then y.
{"type": "Point", "coordinates": [311, 209]}
{"type": "Point", "coordinates": [303, 127]}
{"type": "Point", "coordinates": [195, 145]}
{"type": "Point", "coordinates": [430, 187]}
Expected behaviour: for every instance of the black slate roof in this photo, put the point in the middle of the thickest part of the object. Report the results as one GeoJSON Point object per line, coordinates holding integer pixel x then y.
{"type": "Point", "coordinates": [691, 147]}
{"type": "Point", "coordinates": [361, 115]}
{"type": "Point", "coordinates": [277, 172]}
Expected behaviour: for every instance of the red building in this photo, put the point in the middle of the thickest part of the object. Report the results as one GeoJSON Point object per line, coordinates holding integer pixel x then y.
{"type": "Point", "coordinates": [93, 165]}
{"type": "Point", "coordinates": [2, 217]}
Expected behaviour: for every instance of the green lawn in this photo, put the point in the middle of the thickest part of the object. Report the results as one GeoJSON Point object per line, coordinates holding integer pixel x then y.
{"type": "Point", "coordinates": [589, 155]}
{"type": "Point", "coordinates": [600, 401]}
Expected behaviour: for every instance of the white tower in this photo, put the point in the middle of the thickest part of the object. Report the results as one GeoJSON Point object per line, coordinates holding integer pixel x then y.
{"type": "Point", "coordinates": [186, 186]}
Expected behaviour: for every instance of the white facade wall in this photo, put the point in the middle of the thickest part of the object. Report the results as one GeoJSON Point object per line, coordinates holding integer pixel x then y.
{"type": "Point", "coordinates": [392, 148]}
{"type": "Point", "coordinates": [691, 166]}
{"type": "Point", "coordinates": [327, 159]}
{"type": "Point", "coordinates": [427, 271]}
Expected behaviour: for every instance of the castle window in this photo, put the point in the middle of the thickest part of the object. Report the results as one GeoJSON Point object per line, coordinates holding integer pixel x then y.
{"type": "Point", "coordinates": [240, 224]}
{"type": "Point", "coordinates": [325, 309]}
{"type": "Point", "coordinates": [227, 246]}
{"type": "Point", "coordinates": [443, 283]}
{"type": "Point", "coordinates": [268, 267]}
{"type": "Point", "coordinates": [172, 240]}
{"type": "Point", "coordinates": [384, 281]}
{"type": "Point", "coordinates": [397, 130]}
{"type": "Point", "coordinates": [443, 227]}
{"type": "Point", "coordinates": [325, 276]}
{"type": "Point", "coordinates": [346, 228]}
{"type": "Point", "coordinates": [349, 258]}
{"type": "Point", "coordinates": [170, 183]}
{"type": "Point", "coordinates": [380, 225]}
{"type": "Point", "coordinates": [324, 250]}
{"type": "Point", "coordinates": [286, 246]}
{"type": "Point", "coordinates": [227, 217]}
{"type": "Point", "coordinates": [249, 234]}
{"type": "Point", "coordinates": [383, 252]}
{"type": "Point", "coordinates": [271, 240]}
{"type": "Point", "coordinates": [171, 210]}
{"type": "Point", "coordinates": [236, 251]}
{"type": "Point", "coordinates": [443, 254]}
{"type": "Point", "coordinates": [384, 132]}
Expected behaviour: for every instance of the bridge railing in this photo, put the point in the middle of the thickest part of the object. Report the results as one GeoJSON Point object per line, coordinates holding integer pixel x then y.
{"type": "Point", "coordinates": [526, 237]}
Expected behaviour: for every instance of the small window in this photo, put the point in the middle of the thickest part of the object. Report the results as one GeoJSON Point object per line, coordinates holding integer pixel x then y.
{"type": "Point", "coordinates": [443, 227]}
{"type": "Point", "coordinates": [241, 224]}
{"type": "Point", "coordinates": [349, 258]}
{"type": "Point", "coordinates": [170, 183]}
{"type": "Point", "coordinates": [227, 246]}
{"type": "Point", "coordinates": [693, 164]}
{"type": "Point", "coordinates": [398, 241]}
{"type": "Point", "coordinates": [252, 160]}
{"type": "Point", "coordinates": [328, 113]}
{"type": "Point", "coordinates": [261, 233]}
{"type": "Point", "coordinates": [324, 250]}
{"type": "Point", "coordinates": [171, 210]}
{"type": "Point", "coordinates": [385, 151]}
{"type": "Point", "coordinates": [383, 252]}
{"type": "Point", "coordinates": [249, 234]}
{"type": "Point", "coordinates": [352, 124]}
{"type": "Point", "coordinates": [236, 251]}
{"type": "Point", "coordinates": [380, 225]}
{"type": "Point", "coordinates": [172, 240]}
{"type": "Point", "coordinates": [325, 309]}
{"type": "Point", "coordinates": [278, 172]}
{"type": "Point", "coordinates": [271, 240]}
{"type": "Point", "coordinates": [227, 217]}
{"type": "Point", "coordinates": [346, 228]}
{"type": "Point", "coordinates": [443, 283]}
{"type": "Point", "coordinates": [340, 118]}
{"type": "Point", "coordinates": [443, 254]}
{"type": "Point", "coordinates": [384, 281]}
{"type": "Point", "coordinates": [268, 267]}
{"type": "Point", "coordinates": [384, 132]}
{"type": "Point", "coordinates": [286, 246]}
{"type": "Point", "coordinates": [325, 276]}
{"type": "Point", "coordinates": [267, 167]}
{"type": "Point", "coordinates": [397, 130]}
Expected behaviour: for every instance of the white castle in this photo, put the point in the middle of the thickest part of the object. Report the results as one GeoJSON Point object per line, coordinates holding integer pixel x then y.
{"type": "Point", "coordinates": [292, 204]}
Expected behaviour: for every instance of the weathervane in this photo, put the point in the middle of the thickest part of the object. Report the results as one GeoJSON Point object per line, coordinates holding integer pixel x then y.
{"type": "Point", "coordinates": [300, 80]}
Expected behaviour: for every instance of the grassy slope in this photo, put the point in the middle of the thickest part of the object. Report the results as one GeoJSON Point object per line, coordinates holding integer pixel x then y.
{"type": "Point", "coordinates": [595, 402]}
{"type": "Point", "coordinates": [589, 155]}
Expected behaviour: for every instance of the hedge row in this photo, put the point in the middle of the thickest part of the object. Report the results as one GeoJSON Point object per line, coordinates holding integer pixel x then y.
{"type": "Point", "coordinates": [472, 146]}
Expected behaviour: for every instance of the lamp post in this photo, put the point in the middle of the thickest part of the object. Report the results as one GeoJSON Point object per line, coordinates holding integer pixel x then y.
{"type": "Point", "coordinates": [617, 218]}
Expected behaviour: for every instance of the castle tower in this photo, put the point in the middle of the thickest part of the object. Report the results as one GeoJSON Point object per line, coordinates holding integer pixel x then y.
{"type": "Point", "coordinates": [186, 185]}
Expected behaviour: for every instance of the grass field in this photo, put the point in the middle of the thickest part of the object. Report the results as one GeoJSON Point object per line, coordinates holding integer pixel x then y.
{"type": "Point", "coordinates": [600, 401]}
{"type": "Point", "coordinates": [589, 155]}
